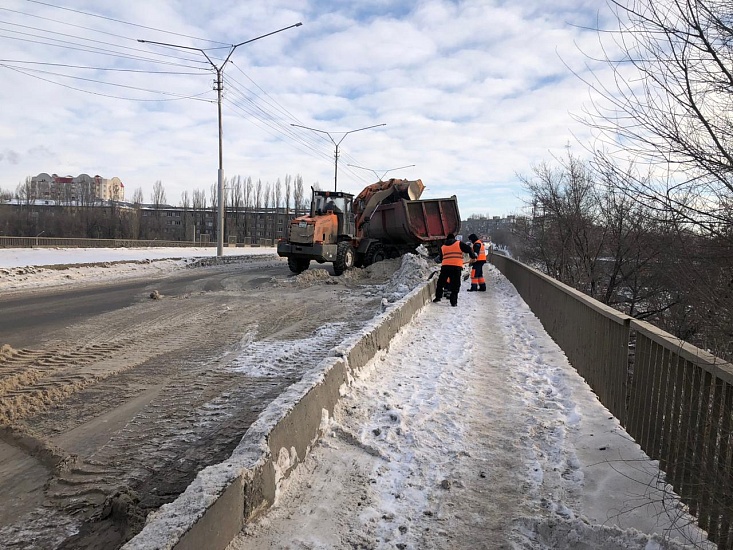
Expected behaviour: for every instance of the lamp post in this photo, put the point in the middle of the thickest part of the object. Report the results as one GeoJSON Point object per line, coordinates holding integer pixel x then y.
{"type": "Point", "coordinates": [219, 86]}
{"type": "Point", "coordinates": [384, 173]}
{"type": "Point", "coordinates": [337, 143]}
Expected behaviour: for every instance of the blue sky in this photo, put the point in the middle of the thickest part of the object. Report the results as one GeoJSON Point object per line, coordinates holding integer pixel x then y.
{"type": "Point", "coordinates": [472, 93]}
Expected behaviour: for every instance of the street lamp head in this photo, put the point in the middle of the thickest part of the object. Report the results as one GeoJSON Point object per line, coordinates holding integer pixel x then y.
{"type": "Point", "coordinates": [337, 143]}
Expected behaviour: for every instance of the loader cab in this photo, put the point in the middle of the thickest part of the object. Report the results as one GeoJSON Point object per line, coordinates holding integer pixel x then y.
{"type": "Point", "coordinates": [341, 204]}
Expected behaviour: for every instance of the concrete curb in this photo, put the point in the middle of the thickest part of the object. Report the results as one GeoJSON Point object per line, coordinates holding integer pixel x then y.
{"type": "Point", "coordinates": [223, 497]}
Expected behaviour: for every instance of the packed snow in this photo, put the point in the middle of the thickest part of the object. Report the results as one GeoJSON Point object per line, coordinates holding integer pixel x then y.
{"type": "Point", "coordinates": [471, 431]}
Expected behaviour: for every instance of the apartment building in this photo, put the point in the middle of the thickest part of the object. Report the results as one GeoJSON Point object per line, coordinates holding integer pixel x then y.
{"type": "Point", "coordinates": [82, 188]}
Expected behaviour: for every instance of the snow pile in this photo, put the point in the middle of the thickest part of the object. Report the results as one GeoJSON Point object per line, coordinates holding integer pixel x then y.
{"type": "Point", "coordinates": [307, 278]}
{"type": "Point", "coordinates": [402, 275]}
{"type": "Point", "coordinates": [413, 271]}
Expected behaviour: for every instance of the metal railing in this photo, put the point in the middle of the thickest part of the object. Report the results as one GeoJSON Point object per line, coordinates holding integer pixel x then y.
{"type": "Point", "coordinates": [674, 399]}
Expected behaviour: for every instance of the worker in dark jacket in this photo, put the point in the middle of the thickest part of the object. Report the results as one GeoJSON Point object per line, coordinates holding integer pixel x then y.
{"type": "Point", "coordinates": [478, 283]}
{"type": "Point", "coordinates": [451, 265]}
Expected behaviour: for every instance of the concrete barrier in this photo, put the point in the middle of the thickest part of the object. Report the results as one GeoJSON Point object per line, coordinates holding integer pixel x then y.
{"type": "Point", "coordinates": [223, 497]}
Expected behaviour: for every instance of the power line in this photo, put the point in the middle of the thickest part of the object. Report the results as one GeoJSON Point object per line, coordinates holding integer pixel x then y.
{"type": "Point", "coordinates": [282, 109]}
{"type": "Point", "coordinates": [176, 98]}
{"type": "Point", "coordinates": [86, 29]}
{"type": "Point", "coordinates": [106, 47]}
{"type": "Point", "coordinates": [264, 125]}
{"type": "Point", "coordinates": [120, 21]}
{"type": "Point", "coordinates": [89, 49]}
{"type": "Point", "coordinates": [96, 68]}
{"type": "Point", "coordinates": [284, 126]}
{"type": "Point", "coordinates": [313, 142]}
{"type": "Point", "coordinates": [310, 141]}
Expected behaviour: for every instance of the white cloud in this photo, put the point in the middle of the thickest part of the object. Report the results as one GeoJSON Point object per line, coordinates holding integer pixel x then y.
{"type": "Point", "coordinates": [471, 92]}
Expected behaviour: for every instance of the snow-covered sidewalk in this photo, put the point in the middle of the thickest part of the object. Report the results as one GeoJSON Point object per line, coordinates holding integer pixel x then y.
{"type": "Point", "coordinates": [473, 431]}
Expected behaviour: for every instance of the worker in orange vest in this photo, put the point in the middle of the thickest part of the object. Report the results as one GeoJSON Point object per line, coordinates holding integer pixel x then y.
{"type": "Point", "coordinates": [478, 283]}
{"type": "Point", "coordinates": [451, 265]}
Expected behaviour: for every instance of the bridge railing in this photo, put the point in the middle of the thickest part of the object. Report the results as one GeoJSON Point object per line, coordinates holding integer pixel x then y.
{"type": "Point", "coordinates": [674, 399]}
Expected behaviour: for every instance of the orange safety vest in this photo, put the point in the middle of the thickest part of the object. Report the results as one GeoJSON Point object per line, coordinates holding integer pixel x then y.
{"type": "Point", "coordinates": [452, 254]}
{"type": "Point", "coordinates": [482, 251]}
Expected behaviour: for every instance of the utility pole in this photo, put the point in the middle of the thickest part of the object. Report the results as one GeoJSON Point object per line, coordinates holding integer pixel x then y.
{"type": "Point", "coordinates": [336, 156]}
{"type": "Point", "coordinates": [384, 173]}
{"type": "Point", "coordinates": [219, 86]}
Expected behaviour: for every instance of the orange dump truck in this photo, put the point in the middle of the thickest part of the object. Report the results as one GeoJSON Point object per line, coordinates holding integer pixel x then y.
{"type": "Point", "coordinates": [386, 220]}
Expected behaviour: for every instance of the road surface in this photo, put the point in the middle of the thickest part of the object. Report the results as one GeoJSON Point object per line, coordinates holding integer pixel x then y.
{"type": "Point", "coordinates": [111, 401]}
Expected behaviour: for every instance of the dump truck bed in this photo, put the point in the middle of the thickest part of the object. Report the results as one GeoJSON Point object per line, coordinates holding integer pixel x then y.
{"type": "Point", "coordinates": [423, 221]}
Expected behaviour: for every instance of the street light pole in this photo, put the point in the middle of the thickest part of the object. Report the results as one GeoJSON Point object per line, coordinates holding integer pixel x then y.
{"type": "Point", "coordinates": [219, 86]}
{"type": "Point", "coordinates": [336, 165]}
{"type": "Point", "coordinates": [385, 172]}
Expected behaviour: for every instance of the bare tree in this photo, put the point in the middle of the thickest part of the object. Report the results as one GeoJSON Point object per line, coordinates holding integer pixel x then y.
{"type": "Point", "coordinates": [298, 202]}
{"type": "Point", "coordinates": [670, 104]}
{"type": "Point", "coordinates": [248, 193]}
{"type": "Point", "coordinates": [157, 198]}
{"type": "Point", "coordinates": [214, 195]}
{"type": "Point", "coordinates": [277, 193]}
{"type": "Point", "coordinates": [137, 197]}
{"type": "Point", "coordinates": [236, 199]}
{"type": "Point", "coordinates": [568, 238]}
{"type": "Point", "coordinates": [25, 192]}
{"type": "Point", "coordinates": [288, 192]}
{"type": "Point", "coordinates": [637, 249]}
{"type": "Point", "coordinates": [267, 196]}
{"type": "Point", "coordinates": [199, 206]}
{"type": "Point", "coordinates": [258, 194]}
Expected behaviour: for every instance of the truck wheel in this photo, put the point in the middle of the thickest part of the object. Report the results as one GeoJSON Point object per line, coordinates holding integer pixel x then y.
{"type": "Point", "coordinates": [298, 265]}
{"type": "Point", "coordinates": [345, 256]}
{"type": "Point", "coordinates": [375, 254]}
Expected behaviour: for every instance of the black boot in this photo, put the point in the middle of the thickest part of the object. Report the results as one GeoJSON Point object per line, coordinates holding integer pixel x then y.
{"type": "Point", "coordinates": [473, 288]}
{"type": "Point", "coordinates": [482, 288]}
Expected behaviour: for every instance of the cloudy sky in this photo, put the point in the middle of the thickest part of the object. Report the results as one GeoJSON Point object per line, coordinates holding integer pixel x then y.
{"type": "Point", "coordinates": [470, 92]}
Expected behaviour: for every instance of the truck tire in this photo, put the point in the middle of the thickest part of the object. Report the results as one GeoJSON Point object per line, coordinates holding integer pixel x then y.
{"type": "Point", "coordinates": [298, 265]}
{"type": "Point", "coordinates": [345, 256]}
{"type": "Point", "coordinates": [375, 254]}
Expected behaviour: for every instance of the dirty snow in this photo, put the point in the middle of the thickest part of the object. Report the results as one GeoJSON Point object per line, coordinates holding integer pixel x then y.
{"type": "Point", "coordinates": [472, 431]}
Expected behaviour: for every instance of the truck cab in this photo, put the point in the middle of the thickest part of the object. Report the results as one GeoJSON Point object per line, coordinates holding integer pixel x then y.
{"type": "Point", "coordinates": [338, 203]}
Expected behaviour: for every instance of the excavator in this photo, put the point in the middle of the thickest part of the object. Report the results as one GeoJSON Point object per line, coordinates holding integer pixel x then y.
{"type": "Point", "coordinates": [385, 220]}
